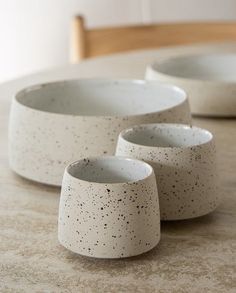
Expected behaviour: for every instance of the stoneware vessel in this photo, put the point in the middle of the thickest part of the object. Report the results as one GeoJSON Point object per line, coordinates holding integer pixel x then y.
{"type": "Point", "coordinates": [109, 208]}
{"type": "Point", "coordinates": [209, 80]}
{"type": "Point", "coordinates": [183, 159]}
{"type": "Point", "coordinates": [52, 125]}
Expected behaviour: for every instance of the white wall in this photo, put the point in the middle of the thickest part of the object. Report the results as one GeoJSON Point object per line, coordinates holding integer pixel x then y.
{"type": "Point", "coordinates": [34, 34]}
{"type": "Point", "coordinates": [177, 10]}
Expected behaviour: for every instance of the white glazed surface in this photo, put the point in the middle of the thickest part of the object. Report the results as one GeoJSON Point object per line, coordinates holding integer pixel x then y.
{"type": "Point", "coordinates": [183, 159]}
{"type": "Point", "coordinates": [109, 208]}
{"type": "Point", "coordinates": [55, 124]}
{"type": "Point", "coordinates": [209, 80]}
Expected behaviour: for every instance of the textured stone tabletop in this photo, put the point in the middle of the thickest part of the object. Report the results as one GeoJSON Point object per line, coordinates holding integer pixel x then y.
{"type": "Point", "coordinates": [193, 256]}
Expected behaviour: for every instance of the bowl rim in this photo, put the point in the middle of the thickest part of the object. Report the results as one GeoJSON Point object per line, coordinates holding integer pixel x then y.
{"type": "Point", "coordinates": [165, 125]}
{"type": "Point", "coordinates": [114, 157]}
{"type": "Point", "coordinates": [151, 67]}
{"type": "Point", "coordinates": [184, 97]}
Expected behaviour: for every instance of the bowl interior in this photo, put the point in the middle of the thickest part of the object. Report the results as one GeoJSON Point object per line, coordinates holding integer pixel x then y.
{"type": "Point", "coordinates": [101, 97]}
{"type": "Point", "coordinates": [109, 170]}
{"type": "Point", "coordinates": [215, 67]}
{"type": "Point", "coordinates": [166, 135]}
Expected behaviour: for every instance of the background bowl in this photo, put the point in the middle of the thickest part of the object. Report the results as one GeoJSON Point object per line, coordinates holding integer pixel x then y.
{"type": "Point", "coordinates": [109, 208]}
{"type": "Point", "coordinates": [183, 159]}
{"type": "Point", "coordinates": [209, 80]}
{"type": "Point", "coordinates": [52, 125]}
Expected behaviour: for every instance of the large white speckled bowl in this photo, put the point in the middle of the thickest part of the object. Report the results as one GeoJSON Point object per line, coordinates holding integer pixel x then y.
{"type": "Point", "coordinates": [184, 161]}
{"type": "Point", "coordinates": [52, 125]}
{"type": "Point", "coordinates": [109, 208]}
{"type": "Point", "coordinates": [209, 80]}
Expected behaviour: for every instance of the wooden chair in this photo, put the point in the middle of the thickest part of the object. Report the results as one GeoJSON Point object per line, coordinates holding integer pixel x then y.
{"type": "Point", "coordinates": [94, 42]}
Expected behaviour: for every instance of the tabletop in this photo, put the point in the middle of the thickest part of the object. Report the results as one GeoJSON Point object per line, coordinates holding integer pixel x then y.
{"type": "Point", "coordinates": [196, 255]}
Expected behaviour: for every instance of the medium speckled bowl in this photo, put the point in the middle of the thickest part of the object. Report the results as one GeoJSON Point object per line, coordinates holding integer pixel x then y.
{"type": "Point", "coordinates": [109, 208]}
{"type": "Point", "coordinates": [52, 125]}
{"type": "Point", "coordinates": [183, 159]}
{"type": "Point", "coordinates": [209, 80]}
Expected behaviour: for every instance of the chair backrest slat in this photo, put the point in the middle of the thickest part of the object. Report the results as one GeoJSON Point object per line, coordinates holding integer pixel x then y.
{"type": "Point", "coordinates": [94, 42]}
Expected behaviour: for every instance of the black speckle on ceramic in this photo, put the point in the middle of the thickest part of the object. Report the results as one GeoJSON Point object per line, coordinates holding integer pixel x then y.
{"type": "Point", "coordinates": [52, 125]}
{"type": "Point", "coordinates": [109, 208]}
{"type": "Point", "coordinates": [184, 161]}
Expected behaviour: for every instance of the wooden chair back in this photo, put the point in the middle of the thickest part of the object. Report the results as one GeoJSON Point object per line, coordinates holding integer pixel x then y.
{"type": "Point", "coordinates": [102, 41]}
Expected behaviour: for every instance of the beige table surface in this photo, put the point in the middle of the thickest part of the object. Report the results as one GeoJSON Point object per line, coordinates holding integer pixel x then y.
{"type": "Point", "coordinates": [193, 256]}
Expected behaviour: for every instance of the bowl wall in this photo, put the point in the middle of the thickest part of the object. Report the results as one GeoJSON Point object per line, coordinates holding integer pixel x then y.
{"type": "Point", "coordinates": [211, 86]}
{"type": "Point", "coordinates": [42, 143]}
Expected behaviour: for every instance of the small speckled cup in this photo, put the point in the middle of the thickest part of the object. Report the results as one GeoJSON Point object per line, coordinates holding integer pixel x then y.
{"type": "Point", "coordinates": [183, 159]}
{"type": "Point", "coordinates": [109, 208]}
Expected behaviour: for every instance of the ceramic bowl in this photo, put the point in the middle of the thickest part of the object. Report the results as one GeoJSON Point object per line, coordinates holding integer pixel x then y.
{"type": "Point", "coordinates": [209, 80]}
{"type": "Point", "coordinates": [109, 208]}
{"type": "Point", "coordinates": [183, 159]}
{"type": "Point", "coordinates": [52, 125]}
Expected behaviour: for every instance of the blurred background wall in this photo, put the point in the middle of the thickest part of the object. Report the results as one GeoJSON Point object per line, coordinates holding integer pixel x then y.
{"type": "Point", "coordinates": [34, 34]}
